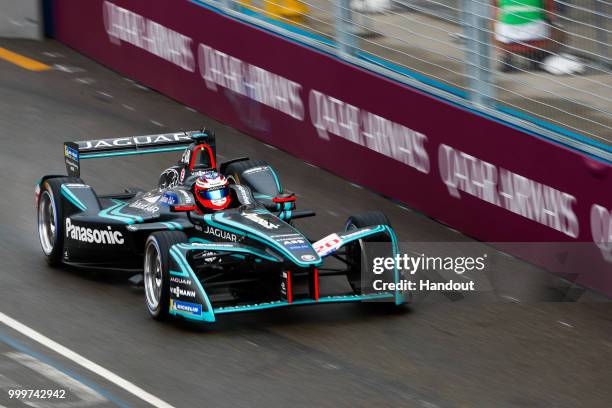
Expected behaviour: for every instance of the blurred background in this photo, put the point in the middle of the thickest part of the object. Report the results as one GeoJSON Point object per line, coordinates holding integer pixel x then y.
{"type": "Point", "coordinates": [545, 62]}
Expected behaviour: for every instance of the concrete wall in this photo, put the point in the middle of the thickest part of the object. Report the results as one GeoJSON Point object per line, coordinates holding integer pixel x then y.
{"type": "Point", "coordinates": [21, 19]}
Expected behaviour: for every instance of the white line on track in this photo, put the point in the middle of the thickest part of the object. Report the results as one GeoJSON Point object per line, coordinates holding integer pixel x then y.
{"type": "Point", "coordinates": [128, 107]}
{"type": "Point", "coordinates": [86, 81]}
{"type": "Point", "coordinates": [105, 94]}
{"type": "Point", "coordinates": [83, 362]}
{"type": "Point", "coordinates": [86, 395]}
{"type": "Point", "coordinates": [565, 324]}
{"type": "Point", "coordinates": [67, 68]}
{"type": "Point", "coordinates": [356, 185]}
{"type": "Point", "coordinates": [52, 54]}
{"type": "Point", "coordinates": [510, 298]}
{"type": "Point", "coordinates": [156, 123]}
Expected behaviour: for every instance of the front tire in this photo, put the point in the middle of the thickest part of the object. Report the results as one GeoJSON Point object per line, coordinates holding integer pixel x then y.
{"type": "Point", "coordinates": [357, 250]}
{"type": "Point", "coordinates": [156, 271]}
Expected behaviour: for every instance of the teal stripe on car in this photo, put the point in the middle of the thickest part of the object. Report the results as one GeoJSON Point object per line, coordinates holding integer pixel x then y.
{"type": "Point", "coordinates": [211, 246]}
{"type": "Point", "coordinates": [399, 299]}
{"type": "Point", "coordinates": [109, 213]}
{"type": "Point", "coordinates": [282, 303]}
{"type": "Point", "coordinates": [209, 314]}
{"type": "Point", "coordinates": [131, 152]}
{"type": "Point", "coordinates": [278, 184]}
{"type": "Point", "coordinates": [168, 225]}
{"type": "Point", "coordinates": [72, 198]}
{"type": "Point", "coordinates": [375, 230]}
{"type": "Point", "coordinates": [256, 235]}
{"type": "Point", "coordinates": [117, 212]}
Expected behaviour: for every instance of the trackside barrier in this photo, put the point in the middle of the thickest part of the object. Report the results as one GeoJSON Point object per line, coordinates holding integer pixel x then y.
{"type": "Point", "coordinates": [485, 178]}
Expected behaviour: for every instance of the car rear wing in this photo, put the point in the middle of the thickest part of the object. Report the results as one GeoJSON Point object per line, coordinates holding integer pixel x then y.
{"type": "Point", "coordinates": [74, 152]}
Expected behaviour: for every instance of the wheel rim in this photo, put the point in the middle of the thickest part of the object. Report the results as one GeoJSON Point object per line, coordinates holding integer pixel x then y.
{"type": "Point", "coordinates": [47, 227]}
{"type": "Point", "coordinates": [153, 277]}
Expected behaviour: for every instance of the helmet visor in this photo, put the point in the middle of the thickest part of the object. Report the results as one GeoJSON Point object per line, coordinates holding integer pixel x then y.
{"type": "Point", "coordinates": [214, 194]}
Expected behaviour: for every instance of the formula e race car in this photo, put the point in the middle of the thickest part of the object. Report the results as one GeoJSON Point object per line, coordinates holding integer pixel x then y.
{"type": "Point", "coordinates": [198, 262]}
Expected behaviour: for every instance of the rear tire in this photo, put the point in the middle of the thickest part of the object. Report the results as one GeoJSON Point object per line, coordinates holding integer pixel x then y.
{"type": "Point", "coordinates": [50, 218]}
{"type": "Point", "coordinates": [156, 271]}
{"type": "Point", "coordinates": [356, 250]}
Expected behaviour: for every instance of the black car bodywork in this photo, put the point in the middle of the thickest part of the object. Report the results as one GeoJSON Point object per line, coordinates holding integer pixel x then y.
{"type": "Point", "coordinates": [248, 257]}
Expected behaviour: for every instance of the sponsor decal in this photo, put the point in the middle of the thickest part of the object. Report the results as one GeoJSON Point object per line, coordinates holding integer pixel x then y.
{"type": "Point", "coordinates": [219, 233]}
{"type": "Point", "coordinates": [178, 292]}
{"type": "Point", "coordinates": [219, 69]}
{"type": "Point", "coordinates": [244, 196]}
{"type": "Point", "coordinates": [182, 176]}
{"type": "Point", "coordinates": [145, 206]}
{"type": "Point", "coordinates": [293, 241]}
{"type": "Point", "coordinates": [295, 244]}
{"type": "Point", "coordinates": [260, 221]}
{"type": "Point", "coordinates": [133, 141]}
{"type": "Point", "coordinates": [169, 198]}
{"type": "Point", "coordinates": [194, 309]}
{"type": "Point", "coordinates": [284, 285]}
{"type": "Point", "coordinates": [330, 115]}
{"type": "Point", "coordinates": [308, 257]}
{"type": "Point", "coordinates": [511, 191]}
{"type": "Point", "coordinates": [298, 247]}
{"type": "Point", "coordinates": [93, 235]}
{"type": "Point", "coordinates": [123, 25]}
{"type": "Point", "coordinates": [327, 244]}
{"type": "Point", "coordinates": [182, 281]}
{"type": "Point", "coordinates": [73, 165]}
{"type": "Point", "coordinates": [71, 153]}
{"type": "Point", "coordinates": [601, 230]}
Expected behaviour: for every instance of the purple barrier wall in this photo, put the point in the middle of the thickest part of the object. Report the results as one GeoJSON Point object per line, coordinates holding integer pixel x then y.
{"type": "Point", "coordinates": [486, 179]}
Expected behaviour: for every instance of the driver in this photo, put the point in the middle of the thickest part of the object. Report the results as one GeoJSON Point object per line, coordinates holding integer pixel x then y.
{"type": "Point", "coordinates": [211, 191]}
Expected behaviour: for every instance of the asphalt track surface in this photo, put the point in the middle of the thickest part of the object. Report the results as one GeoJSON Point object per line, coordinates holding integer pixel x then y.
{"type": "Point", "coordinates": [443, 353]}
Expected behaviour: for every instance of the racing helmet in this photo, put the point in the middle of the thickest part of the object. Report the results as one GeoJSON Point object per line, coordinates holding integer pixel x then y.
{"type": "Point", "coordinates": [211, 191]}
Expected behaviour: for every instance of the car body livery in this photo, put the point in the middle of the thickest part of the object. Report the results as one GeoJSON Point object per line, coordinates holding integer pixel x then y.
{"type": "Point", "coordinates": [199, 264]}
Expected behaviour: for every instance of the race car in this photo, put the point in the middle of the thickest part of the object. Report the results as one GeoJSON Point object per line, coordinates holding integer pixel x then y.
{"type": "Point", "coordinates": [210, 238]}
